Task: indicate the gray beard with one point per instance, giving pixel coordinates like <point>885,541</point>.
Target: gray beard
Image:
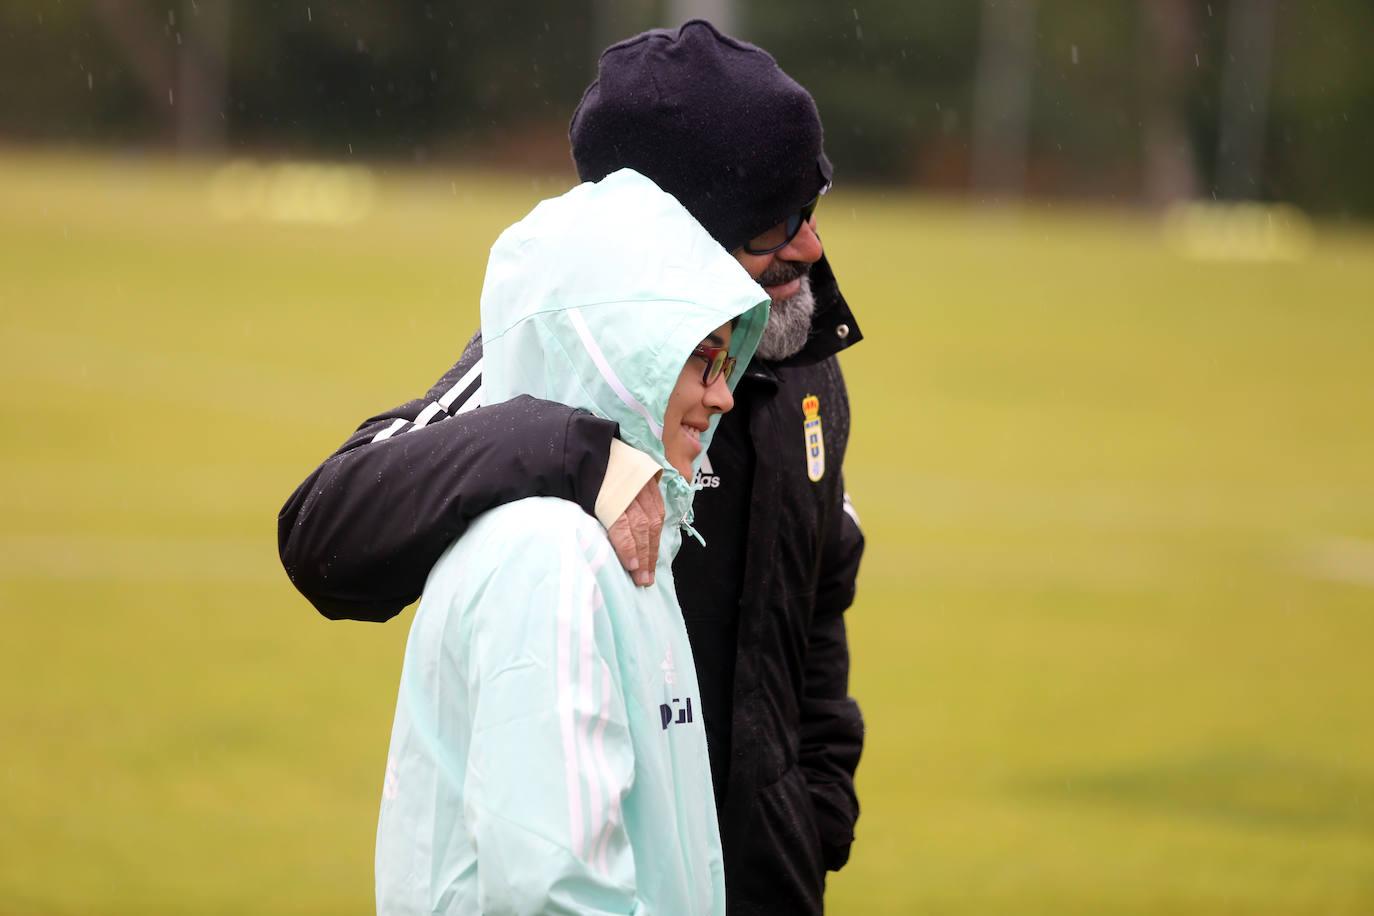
<point>789,324</point>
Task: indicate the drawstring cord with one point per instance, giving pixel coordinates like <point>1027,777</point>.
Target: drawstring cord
<point>685,523</point>
<point>687,527</point>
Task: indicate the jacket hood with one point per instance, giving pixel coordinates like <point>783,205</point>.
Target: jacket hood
<point>597,298</point>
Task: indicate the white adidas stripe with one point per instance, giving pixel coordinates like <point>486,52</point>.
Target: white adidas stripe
<point>849,509</point>
<point>444,402</point>
<point>567,703</point>
<point>607,373</point>
<point>587,669</point>
<point>427,414</point>
<point>471,403</point>
<point>449,396</point>
<point>390,430</point>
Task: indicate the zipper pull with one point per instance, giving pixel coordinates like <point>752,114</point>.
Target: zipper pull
<point>686,525</point>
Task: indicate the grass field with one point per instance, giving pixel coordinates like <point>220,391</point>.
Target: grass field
<point>1114,627</point>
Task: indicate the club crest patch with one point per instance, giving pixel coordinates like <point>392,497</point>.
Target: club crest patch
<point>815,441</point>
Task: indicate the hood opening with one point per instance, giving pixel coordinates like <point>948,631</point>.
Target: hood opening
<point>597,298</point>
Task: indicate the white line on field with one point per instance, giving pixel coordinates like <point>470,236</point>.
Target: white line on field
<point>1340,559</point>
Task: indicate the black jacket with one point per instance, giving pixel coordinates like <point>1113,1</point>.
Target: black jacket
<point>764,601</point>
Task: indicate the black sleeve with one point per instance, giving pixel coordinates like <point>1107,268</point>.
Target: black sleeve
<point>832,728</point>
<point>359,536</point>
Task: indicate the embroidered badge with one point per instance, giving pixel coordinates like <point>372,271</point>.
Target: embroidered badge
<point>815,442</point>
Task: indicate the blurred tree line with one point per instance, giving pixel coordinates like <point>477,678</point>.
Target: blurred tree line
<point>1146,101</point>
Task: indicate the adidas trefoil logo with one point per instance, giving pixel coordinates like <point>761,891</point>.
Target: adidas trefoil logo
<point>706,478</point>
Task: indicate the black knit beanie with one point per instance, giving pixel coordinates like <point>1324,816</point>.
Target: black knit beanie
<point>711,120</point>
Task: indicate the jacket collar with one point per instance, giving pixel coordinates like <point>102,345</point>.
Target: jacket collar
<point>833,327</point>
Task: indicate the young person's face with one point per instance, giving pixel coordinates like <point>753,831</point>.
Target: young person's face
<point>692,404</point>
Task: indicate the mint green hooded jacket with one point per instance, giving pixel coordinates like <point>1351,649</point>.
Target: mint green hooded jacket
<point>548,754</point>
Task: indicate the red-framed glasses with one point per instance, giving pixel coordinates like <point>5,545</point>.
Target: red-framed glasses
<point>718,362</point>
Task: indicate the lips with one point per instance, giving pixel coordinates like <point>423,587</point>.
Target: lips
<point>783,290</point>
<point>693,433</point>
<point>782,280</point>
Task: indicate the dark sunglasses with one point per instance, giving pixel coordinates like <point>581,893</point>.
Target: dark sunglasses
<point>784,232</point>
<point>718,362</point>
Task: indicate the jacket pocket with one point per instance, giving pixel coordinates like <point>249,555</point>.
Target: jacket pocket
<point>781,870</point>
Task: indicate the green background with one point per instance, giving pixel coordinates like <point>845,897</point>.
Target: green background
<point>896,83</point>
<point>1114,623</point>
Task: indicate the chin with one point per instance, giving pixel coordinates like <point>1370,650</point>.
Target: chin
<point>681,465</point>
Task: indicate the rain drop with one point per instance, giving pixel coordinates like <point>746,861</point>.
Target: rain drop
<point>1073,54</point>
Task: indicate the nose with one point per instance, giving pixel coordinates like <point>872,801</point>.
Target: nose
<point>805,245</point>
<point>717,396</point>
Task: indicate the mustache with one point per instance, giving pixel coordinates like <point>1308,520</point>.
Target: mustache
<point>780,272</point>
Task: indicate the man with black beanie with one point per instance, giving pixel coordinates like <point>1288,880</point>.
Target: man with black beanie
<point>716,123</point>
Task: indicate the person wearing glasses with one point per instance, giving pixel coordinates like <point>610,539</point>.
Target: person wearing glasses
<point>714,122</point>
<point>548,753</point>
